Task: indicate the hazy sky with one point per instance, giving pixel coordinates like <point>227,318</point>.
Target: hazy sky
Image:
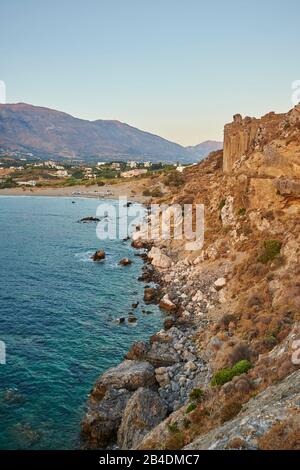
<point>178,68</point>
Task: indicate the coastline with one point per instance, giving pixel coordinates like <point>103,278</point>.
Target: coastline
<point>131,190</point>
<point>148,375</point>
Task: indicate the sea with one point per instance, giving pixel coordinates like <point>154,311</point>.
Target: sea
<point>59,314</point>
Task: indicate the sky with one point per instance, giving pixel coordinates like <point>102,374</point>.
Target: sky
<point>176,68</point>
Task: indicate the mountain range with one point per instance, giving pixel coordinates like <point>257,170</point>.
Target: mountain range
<point>49,133</point>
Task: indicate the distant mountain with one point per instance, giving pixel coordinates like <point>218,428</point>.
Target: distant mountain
<point>46,132</point>
<point>202,150</point>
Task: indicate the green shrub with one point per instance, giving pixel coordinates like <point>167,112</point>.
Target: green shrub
<point>221,377</point>
<point>196,394</point>
<point>271,251</point>
<point>241,367</point>
<point>226,375</point>
<point>8,183</point>
<point>222,204</point>
<point>242,211</point>
<point>191,407</point>
<point>173,428</point>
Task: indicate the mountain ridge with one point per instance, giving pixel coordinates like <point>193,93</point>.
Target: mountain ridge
<point>48,132</point>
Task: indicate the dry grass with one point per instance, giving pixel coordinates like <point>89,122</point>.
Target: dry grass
<point>284,435</point>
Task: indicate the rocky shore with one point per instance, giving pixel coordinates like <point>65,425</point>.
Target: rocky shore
<point>156,377</point>
<point>223,372</point>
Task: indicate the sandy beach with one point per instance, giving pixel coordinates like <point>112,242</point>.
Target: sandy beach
<point>132,190</point>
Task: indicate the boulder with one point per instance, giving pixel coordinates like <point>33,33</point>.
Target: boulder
<point>102,420</point>
<point>158,259</point>
<point>167,304</point>
<point>143,411</point>
<point>129,374</point>
<point>98,255</point>
<point>220,283</point>
<point>227,212</point>
<point>89,219</point>
<point>125,262</point>
<point>288,187</point>
<point>162,354</point>
<point>137,351</point>
<point>151,294</point>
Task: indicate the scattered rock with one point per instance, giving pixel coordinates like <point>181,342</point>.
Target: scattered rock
<point>98,255</point>
<point>151,294</point>
<point>220,283</point>
<point>125,262</point>
<point>132,319</point>
<point>166,304</point>
<point>89,219</point>
<point>158,259</point>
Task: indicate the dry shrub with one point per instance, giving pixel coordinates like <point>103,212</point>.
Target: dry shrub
<point>236,443</point>
<point>174,441</point>
<point>230,410</point>
<point>240,351</point>
<point>284,435</point>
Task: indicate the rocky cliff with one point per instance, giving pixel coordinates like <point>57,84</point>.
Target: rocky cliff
<point>223,373</point>
<point>269,137</point>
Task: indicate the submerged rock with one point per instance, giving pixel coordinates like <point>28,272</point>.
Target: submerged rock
<point>151,294</point>
<point>89,219</point>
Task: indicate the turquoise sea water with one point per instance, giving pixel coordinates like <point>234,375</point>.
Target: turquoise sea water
<point>56,317</point>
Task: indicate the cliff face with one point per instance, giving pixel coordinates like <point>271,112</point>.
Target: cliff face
<point>219,369</point>
<point>264,136</point>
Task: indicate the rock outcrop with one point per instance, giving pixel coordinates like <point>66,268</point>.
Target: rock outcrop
<point>223,373</point>
<point>143,411</point>
<point>98,255</point>
<point>258,417</point>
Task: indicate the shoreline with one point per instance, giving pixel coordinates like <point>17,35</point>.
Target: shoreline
<point>132,190</point>
<point>146,369</point>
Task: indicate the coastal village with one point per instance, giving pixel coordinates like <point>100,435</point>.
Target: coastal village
<point>24,170</point>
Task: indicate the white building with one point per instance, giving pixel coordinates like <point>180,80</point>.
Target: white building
<point>115,166</point>
<point>26,183</point>
<point>62,173</point>
<point>180,168</point>
<point>132,164</point>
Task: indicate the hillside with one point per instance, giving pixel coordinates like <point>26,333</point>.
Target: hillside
<point>46,132</point>
<point>224,372</point>
<point>202,150</point>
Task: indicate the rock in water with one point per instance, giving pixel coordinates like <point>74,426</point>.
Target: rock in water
<point>89,219</point>
<point>144,410</point>
<point>125,262</point>
<point>150,294</point>
<point>98,255</point>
